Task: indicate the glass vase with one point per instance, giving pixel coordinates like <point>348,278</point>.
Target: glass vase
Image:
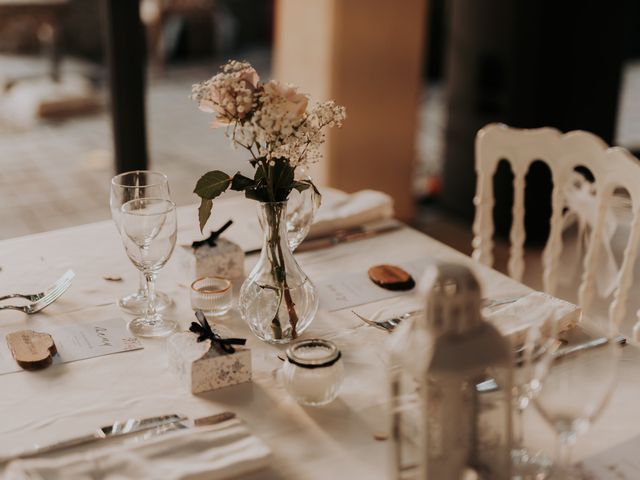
<point>277,299</point>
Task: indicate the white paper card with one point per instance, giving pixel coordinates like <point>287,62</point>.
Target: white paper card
<point>77,342</point>
<point>351,290</point>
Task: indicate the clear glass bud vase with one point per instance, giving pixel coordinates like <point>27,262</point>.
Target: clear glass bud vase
<point>277,299</point>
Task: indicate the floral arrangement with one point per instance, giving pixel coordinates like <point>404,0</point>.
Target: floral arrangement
<point>276,125</point>
<point>273,122</point>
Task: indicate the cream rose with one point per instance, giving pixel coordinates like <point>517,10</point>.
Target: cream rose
<point>230,94</point>
<point>291,103</point>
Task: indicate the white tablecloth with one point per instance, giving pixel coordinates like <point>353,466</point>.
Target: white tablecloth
<point>336,441</point>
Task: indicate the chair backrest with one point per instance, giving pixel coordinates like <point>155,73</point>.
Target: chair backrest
<point>612,168</point>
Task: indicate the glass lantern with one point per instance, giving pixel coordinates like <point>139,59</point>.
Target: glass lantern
<point>451,374</point>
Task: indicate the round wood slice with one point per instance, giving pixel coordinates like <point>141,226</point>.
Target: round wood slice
<point>31,350</point>
<point>391,277</point>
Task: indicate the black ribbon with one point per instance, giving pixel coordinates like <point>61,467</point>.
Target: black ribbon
<point>204,332</point>
<point>211,241</point>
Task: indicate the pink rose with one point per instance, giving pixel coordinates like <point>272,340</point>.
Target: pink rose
<point>250,76</point>
<point>230,94</point>
<point>292,103</point>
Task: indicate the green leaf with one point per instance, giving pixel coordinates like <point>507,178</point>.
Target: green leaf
<point>239,182</point>
<point>317,196</point>
<point>282,178</point>
<point>204,211</point>
<point>212,184</point>
<point>260,174</point>
<point>300,186</point>
<point>260,194</point>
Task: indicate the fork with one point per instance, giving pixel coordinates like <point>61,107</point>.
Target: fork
<point>32,297</point>
<point>43,299</point>
<point>389,324</point>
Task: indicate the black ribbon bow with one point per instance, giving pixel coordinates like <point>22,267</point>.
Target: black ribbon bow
<point>204,332</point>
<point>211,241</point>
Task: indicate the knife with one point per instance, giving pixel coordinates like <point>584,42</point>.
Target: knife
<point>117,429</point>
<point>344,235</point>
<point>351,234</point>
<point>490,385</point>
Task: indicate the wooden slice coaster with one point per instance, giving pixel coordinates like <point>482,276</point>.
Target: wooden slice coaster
<point>391,277</point>
<point>31,350</point>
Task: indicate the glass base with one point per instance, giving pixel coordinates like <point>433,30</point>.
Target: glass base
<point>152,327</point>
<point>526,465</point>
<point>136,303</point>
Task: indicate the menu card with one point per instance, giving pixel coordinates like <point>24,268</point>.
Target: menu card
<point>77,342</point>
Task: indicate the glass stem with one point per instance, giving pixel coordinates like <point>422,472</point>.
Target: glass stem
<point>566,441</point>
<point>518,428</point>
<point>151,313</point>
<point>142,285</point>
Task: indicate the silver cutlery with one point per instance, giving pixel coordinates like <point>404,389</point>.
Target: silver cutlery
<point>117,429</point>
<point>490,385</point>
<point>389,324</point>
<point>32,297</point>
<point>147,428</point>
<point>43,299</point>
<point>345,235</point>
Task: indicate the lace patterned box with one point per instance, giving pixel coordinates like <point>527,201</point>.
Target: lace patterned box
<point>200,368</point>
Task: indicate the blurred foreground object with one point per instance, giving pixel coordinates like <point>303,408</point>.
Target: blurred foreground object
<point>442,424</point>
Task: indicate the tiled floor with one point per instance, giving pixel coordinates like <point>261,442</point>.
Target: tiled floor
<point>57,174</point>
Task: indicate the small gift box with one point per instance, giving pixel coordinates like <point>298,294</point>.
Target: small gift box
<point>205,361</point>
<point>212,257</point>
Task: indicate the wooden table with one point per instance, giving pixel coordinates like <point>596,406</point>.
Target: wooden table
<point>336,441</point>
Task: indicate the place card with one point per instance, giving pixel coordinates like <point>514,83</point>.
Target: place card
<point>350,290</point>
<point>77,342</point>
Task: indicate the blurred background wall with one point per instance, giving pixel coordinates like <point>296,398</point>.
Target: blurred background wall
<point>419,77</point>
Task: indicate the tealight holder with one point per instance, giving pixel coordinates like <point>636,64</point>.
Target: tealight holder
<point>313,372</point>
<point>212,295</point>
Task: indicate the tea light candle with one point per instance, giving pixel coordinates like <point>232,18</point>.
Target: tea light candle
<point>211,295</point>
<point>313,371</point>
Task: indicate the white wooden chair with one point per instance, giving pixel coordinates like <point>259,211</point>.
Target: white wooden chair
<point>612,168</point>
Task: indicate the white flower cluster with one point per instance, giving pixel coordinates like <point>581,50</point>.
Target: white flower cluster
<point>270,120</point>
<point>302,145</point>
<point>230,94</point>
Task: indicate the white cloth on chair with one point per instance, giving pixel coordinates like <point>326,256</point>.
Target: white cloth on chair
<point>582,211</point>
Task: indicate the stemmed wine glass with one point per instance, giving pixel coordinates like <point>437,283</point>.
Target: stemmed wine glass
<point>576,390</point>
<point>537,343</point>
<point>148,231</point>
<point>129,186</point>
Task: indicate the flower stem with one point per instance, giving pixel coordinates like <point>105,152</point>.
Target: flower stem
<point>291,306</point>
<point>279,273</point>
<point>273,240</point>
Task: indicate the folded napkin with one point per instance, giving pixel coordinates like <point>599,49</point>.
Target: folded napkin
<point>340,210</point>
<point>222,451</point>
<point>536,308</point>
